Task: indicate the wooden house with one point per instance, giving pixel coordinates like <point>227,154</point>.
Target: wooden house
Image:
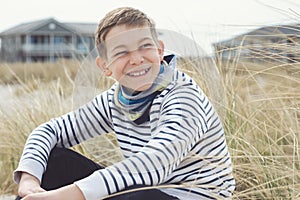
<point>271,43</point>
<point>46,40</point>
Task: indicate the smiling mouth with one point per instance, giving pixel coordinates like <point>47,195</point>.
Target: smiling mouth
<point>138,73</point>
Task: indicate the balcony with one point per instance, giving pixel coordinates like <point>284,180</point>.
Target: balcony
<point>48,48</point>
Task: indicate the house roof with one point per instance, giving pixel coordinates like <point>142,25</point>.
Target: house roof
<point>24,27</point>
<point>80,28</point>
<point>83,28</point>
<point>276,30</point>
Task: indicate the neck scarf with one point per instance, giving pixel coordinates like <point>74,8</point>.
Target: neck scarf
<point>134,105</point>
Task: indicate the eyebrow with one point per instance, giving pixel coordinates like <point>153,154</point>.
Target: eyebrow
<point>124,46</point>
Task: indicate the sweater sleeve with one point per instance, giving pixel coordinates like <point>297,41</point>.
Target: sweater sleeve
<point>180,124</point>
<point>88,121</point>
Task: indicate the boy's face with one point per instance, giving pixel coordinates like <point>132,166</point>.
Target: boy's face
<point>133,57</point>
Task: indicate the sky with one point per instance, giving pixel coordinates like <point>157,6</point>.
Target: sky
<point>206,21</point>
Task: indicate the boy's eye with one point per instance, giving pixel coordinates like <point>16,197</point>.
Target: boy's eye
<point>120,53</point>
<point>146,46</point>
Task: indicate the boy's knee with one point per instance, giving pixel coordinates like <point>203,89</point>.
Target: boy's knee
<point>60,154</point>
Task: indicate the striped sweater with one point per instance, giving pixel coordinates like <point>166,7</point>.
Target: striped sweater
<point>181,144</point>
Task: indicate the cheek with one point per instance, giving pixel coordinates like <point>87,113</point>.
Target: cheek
<point>118,65</point>
<point>117,73</point>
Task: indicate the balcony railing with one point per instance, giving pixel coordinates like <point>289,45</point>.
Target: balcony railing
<point>46,48</point>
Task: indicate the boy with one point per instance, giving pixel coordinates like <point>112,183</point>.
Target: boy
<point>167,129</point>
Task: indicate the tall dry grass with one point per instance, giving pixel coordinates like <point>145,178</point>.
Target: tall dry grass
<point>263,119</point>
<point>39,91</point>
<point>259,104</point>
<point>263,123</point>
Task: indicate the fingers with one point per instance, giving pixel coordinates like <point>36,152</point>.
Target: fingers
<point>36,196</point>
<point>26,191</point>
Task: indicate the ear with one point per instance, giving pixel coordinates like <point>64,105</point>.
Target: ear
<point>101,63</point>
<point>161,49</point>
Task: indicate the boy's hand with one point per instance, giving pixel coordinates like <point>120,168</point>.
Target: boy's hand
<point>28,185</point>
<point>66,192</point>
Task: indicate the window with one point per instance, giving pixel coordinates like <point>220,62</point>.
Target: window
<point>37,39</point>
<point>23,39</point>
<point>58,40</point>
<point>83,44</point>
<point>62,39</point>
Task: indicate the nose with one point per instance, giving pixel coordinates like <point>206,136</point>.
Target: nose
<point>136,58</point>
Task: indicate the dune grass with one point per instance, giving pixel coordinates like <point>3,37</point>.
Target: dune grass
<point>259,104</point>
<point>262,123</point>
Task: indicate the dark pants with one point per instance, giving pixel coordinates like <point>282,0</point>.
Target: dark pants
<point>66,166</point>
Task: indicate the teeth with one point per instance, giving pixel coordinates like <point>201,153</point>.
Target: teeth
<point>140,73</point>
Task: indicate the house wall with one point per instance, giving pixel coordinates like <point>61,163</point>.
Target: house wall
<point>10,48</point>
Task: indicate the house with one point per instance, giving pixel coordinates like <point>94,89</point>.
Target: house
<point>46,40</point>
<point>271,43</point>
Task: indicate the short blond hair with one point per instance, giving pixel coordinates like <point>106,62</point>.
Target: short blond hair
<point>121,16</point>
